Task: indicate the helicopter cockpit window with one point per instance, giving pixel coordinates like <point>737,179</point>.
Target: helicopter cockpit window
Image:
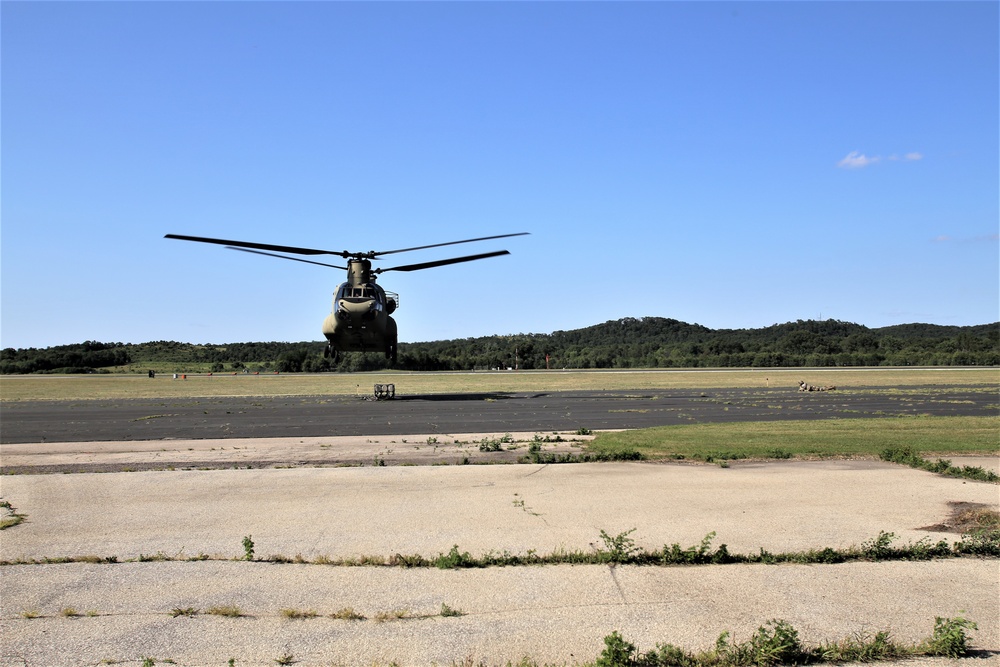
<point>355,292</point>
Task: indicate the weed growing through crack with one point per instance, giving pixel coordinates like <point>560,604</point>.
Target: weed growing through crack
<point>777,643</point>
<point>394,615</point>
<point>12,518</point>
<point>230,611</point>
<point>454,559</point>
<point>347,614</point>
<point>906,456</point>
<point>449,612</point>
<point>950,638</point>
<point>619,548</point>
<point>862,647</point>
<point>880,547</point>
<point>183,611</point>
<point>982,540</point>
<point>299,614</point>
<point>248,546</point>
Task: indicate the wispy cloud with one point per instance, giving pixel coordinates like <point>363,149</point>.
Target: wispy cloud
<point>985,238</point>
<point>858,160</point>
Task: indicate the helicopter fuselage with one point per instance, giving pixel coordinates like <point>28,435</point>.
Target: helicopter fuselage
<point>360,318</point>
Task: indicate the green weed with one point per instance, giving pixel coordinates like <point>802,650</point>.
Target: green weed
<point>879,548</point>
<point>619,548</point>
<point>950,638</point>
<point>448,612</point>
<point>906,456</point>
<point>454,559</point>
<point>777,643</point>
<point>863,647</point>
<point>617,652</point>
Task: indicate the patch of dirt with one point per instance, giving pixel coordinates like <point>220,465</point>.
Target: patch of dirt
<point>966,518</point>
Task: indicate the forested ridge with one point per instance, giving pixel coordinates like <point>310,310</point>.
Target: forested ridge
<point>648,342</point>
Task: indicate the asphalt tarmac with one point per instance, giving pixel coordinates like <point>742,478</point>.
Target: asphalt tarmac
<point>315,416</point>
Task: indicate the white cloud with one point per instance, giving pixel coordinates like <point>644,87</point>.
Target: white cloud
<point>856,160</point>
<point>985,238</point>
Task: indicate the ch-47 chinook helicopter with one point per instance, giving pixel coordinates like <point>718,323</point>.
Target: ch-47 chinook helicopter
<point>360,320</point>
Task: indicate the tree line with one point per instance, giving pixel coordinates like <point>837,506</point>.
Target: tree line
<point>648,342</point>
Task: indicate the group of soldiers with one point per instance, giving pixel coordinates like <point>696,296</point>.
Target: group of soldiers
<point>803,386</point>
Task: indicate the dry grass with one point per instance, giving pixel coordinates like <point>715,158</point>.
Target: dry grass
<point>393,615</point>
<point>347,614</point>
<point>230,611</point>
<point>976,518</point>
<point>94,387</point>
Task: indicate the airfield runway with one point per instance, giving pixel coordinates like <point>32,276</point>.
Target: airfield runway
<point>84,613</point>
<point>315,416</point>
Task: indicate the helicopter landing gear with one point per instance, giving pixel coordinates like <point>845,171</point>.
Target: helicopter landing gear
<point>331,353</point>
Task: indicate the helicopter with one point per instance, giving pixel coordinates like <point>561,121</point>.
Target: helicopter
<point>360,320</point>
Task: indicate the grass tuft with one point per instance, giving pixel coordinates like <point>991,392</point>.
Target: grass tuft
<point>347,614</point>
<point>231,611</point>
<point>183,611</point>
<point>10,516</point>
<point>449,612</point>
<point>393,615</point>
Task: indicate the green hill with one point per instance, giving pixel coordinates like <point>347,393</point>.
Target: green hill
<point>647,342</point>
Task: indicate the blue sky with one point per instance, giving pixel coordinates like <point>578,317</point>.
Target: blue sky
<point>733,165</point>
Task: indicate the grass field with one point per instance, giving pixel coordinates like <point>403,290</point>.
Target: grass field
<point>83,387</point>
<point>807,439</point>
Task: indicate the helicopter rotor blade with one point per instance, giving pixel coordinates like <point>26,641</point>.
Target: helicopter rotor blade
<point>260,246</point>
<point>294,259</point>
<point>442,262</point>
<point>438,245</point>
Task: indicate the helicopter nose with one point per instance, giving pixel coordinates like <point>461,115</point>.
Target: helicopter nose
<point>348,310</point>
